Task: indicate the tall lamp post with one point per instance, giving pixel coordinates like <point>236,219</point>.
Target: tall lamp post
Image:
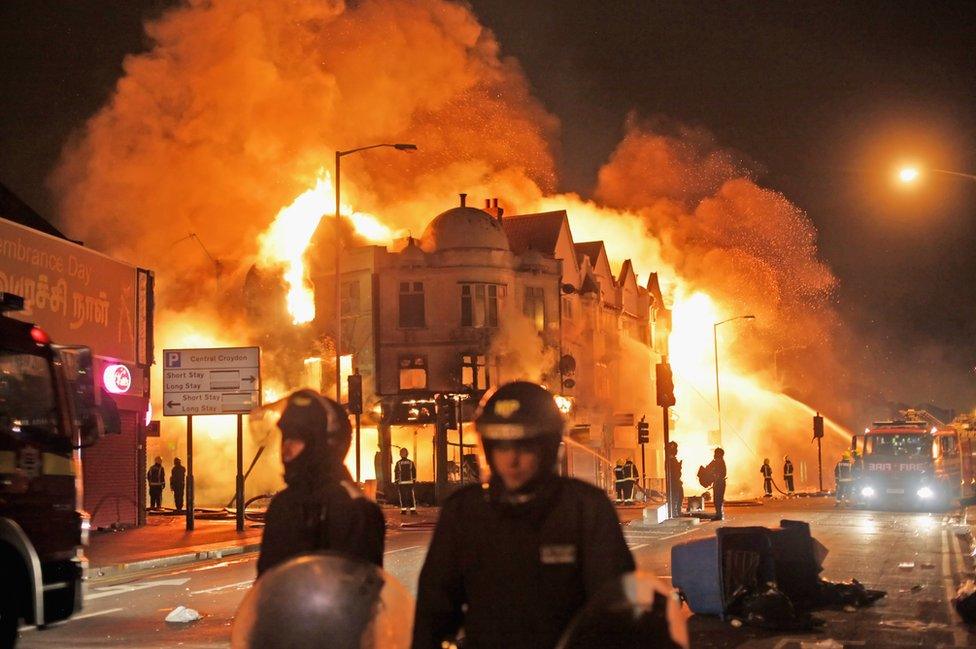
<point>718,394</point>
<point>338,254</point>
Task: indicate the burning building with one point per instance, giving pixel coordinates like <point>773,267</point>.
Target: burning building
<point>480,299</point>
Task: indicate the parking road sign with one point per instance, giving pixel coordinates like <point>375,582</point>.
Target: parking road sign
<point>216,381</point>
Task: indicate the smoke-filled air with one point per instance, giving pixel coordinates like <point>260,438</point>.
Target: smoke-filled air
<point>211,164</point>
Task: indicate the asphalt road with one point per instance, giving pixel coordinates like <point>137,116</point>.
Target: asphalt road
<point>866,545</point>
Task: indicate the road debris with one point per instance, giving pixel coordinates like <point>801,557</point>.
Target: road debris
<point>183,615</point>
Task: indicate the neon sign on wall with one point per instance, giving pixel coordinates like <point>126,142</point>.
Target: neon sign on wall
<point>117,379</point>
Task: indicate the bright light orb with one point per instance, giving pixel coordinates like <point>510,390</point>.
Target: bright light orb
<point>908,174</point>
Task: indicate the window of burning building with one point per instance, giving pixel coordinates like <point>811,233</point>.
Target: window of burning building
<point>479,304</point>
<point>412,315</point>
<point>478,372</point>
<point>413,372</point>
<point>534,306</point>
<point>567,308</point>
<point>350,297</point>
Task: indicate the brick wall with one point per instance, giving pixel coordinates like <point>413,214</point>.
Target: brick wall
<point>111,475</point>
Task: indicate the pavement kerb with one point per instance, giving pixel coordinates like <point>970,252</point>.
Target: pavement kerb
<point>116,569</point>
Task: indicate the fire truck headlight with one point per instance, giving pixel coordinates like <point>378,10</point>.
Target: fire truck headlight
<point>867,492</point>
<point>925,493</point>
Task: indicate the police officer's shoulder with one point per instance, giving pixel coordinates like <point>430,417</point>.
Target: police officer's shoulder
<point>464,497</point>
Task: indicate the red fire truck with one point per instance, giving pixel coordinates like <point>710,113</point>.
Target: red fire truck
<point>48,410</point>
<point>915,462</point>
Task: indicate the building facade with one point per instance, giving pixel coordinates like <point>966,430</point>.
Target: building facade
<point>480,299</point>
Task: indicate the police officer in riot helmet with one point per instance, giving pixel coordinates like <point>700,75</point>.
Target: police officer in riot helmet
<point>512,562</point>
<point>321,508</point>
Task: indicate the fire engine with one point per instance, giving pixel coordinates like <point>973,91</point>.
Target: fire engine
<point>915,462</point>
<point>48,410</point>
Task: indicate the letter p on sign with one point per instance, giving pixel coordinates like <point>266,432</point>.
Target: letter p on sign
<point>172,359</point>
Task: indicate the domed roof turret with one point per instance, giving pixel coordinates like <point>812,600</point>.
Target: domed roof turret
<point>412,255</point>
<point>464,227</point>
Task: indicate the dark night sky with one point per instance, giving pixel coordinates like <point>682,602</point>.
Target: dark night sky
<point>823,96</point>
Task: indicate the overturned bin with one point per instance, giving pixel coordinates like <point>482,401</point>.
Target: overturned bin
<point>711,573</point>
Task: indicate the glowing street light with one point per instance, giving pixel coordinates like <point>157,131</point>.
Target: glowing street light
<point>908,174</point>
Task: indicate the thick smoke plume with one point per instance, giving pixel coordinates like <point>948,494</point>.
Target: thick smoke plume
<point>238,104</point>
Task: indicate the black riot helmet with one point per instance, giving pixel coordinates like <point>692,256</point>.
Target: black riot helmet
<point>526,414</point>
<point>323,425</point>
<point>519,411</point>
<point>324,600</point>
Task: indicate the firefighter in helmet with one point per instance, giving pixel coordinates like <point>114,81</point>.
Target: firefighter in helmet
<point>512,562</point>
<point>788,474</point>
<point>619,480</point>
<point>844,477</point>
<point>767,473</point>
<point>321,508</point>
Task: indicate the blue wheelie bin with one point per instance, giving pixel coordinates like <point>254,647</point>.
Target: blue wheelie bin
<point>710,571</point>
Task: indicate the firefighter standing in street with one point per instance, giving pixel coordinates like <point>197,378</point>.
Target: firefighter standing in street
<point>321,508</point>
<point>156,477</point>
<point>630,481</point>
<point>844,477</point>
<point>718,472</point>
<point>619,481</point>
<point>788,474</point>
<point>177,482</point>
<point>513,562</point>
<point>405,474</point>
<point>767,474</point>
<point>676,491</point>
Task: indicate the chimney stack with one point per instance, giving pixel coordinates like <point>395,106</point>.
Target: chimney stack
<point>487,204</point>
<point>464,198</point>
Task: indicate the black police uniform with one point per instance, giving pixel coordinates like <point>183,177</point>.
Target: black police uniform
<point>321,509</point>
<point>522,570</point>
<point>336,518</point>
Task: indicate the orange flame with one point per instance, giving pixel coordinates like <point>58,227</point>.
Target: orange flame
<point>286,241</point>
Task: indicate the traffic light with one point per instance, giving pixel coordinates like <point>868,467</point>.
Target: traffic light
<point>818,430</point>
<point>643,432</point>
<point>355,392</point>
<point>447,409</point>
<point>665,385</point>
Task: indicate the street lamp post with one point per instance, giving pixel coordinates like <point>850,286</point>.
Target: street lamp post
<point>718,394</point>
<point>338,254</point>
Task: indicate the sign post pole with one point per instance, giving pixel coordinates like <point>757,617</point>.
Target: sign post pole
<point>667,469</point>
<point>189,473</point>
<point>240,473</point>
<point>212,381</point>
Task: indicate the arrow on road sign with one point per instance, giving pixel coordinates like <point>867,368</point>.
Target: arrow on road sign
<point>172,404</point>
<point>249,379</point>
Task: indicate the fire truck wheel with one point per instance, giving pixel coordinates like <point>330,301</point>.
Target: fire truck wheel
<point>10,596</point>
